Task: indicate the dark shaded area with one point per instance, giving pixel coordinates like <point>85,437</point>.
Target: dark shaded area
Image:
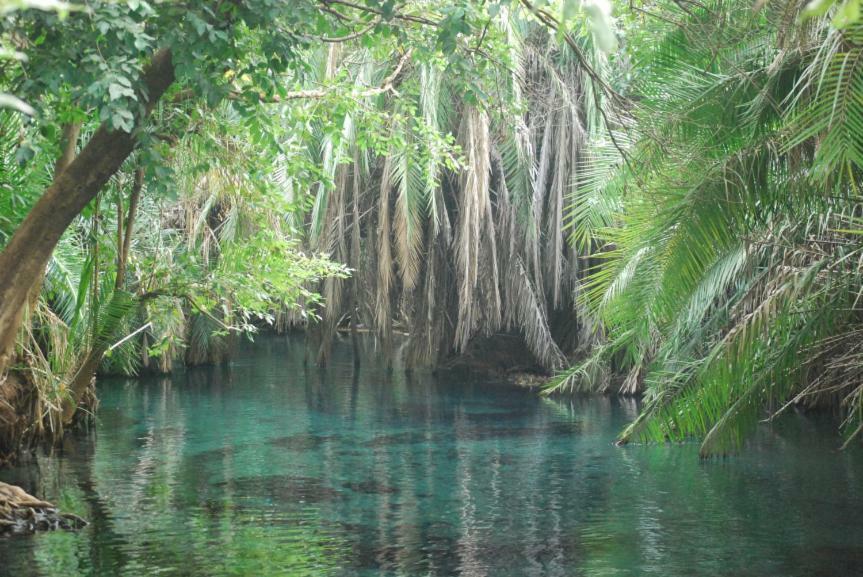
<point>500,355</point>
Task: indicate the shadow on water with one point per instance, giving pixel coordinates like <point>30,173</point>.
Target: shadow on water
<point>274,467</point>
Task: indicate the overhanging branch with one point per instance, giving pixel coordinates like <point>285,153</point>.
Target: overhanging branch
<point>388,86</point>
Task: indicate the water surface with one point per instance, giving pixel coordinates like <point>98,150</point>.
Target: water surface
<point>269,467</point>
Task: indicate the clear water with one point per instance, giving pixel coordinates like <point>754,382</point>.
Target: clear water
<point>272,468</point>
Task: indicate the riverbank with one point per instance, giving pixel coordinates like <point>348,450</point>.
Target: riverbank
<point>22,513</point>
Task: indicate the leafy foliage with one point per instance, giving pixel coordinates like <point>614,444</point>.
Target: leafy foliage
<point>450,189</point>
<point>728,246</point>
<point>196,224</point>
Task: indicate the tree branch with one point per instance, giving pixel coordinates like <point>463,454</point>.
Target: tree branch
<point>69,145</point>
<point>388,86</point>
<point>346,37</point>
<point>123,256</point>
<point>24,258</point>
<point>379,12</point>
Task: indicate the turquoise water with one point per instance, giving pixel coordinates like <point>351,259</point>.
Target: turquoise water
<point>271,468</point>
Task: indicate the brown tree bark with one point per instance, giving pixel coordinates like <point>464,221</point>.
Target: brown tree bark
<point>69,146</point>
<point>85,374</point>
<point>126,235</point>
<point>28,251</point>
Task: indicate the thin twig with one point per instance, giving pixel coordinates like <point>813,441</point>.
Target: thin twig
<point>395,15</point>
<point>319,93</point>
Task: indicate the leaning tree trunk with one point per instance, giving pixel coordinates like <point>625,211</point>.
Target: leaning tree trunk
<point>124,243</point>
<point>86,372</point>
<point>28,252</point>
<point>68,148</point>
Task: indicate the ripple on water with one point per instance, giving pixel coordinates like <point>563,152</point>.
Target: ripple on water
<point>282,490</point>
<point>301,441</point>
<point>370,487</point>
<point>266,469</point>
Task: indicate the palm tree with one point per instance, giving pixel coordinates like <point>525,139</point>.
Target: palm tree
<point>728,227</point>
<point>452,220</point>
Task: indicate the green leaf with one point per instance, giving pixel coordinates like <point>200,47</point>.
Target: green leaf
<point>117,91</point>
<point>816,8</point>
<point>199,25</point>
<point>123,119</point>
<point>847,14</point>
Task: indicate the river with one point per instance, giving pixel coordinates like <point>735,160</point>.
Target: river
<point>270,467</point>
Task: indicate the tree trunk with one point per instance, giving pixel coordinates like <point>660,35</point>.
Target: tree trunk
<point>123,249</point>
<point>68,146</point>
<point>30,248</point>
<point>355,258</point>
<point>81,382</point>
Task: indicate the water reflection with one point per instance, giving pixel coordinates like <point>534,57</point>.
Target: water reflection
<point>275,467</point>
